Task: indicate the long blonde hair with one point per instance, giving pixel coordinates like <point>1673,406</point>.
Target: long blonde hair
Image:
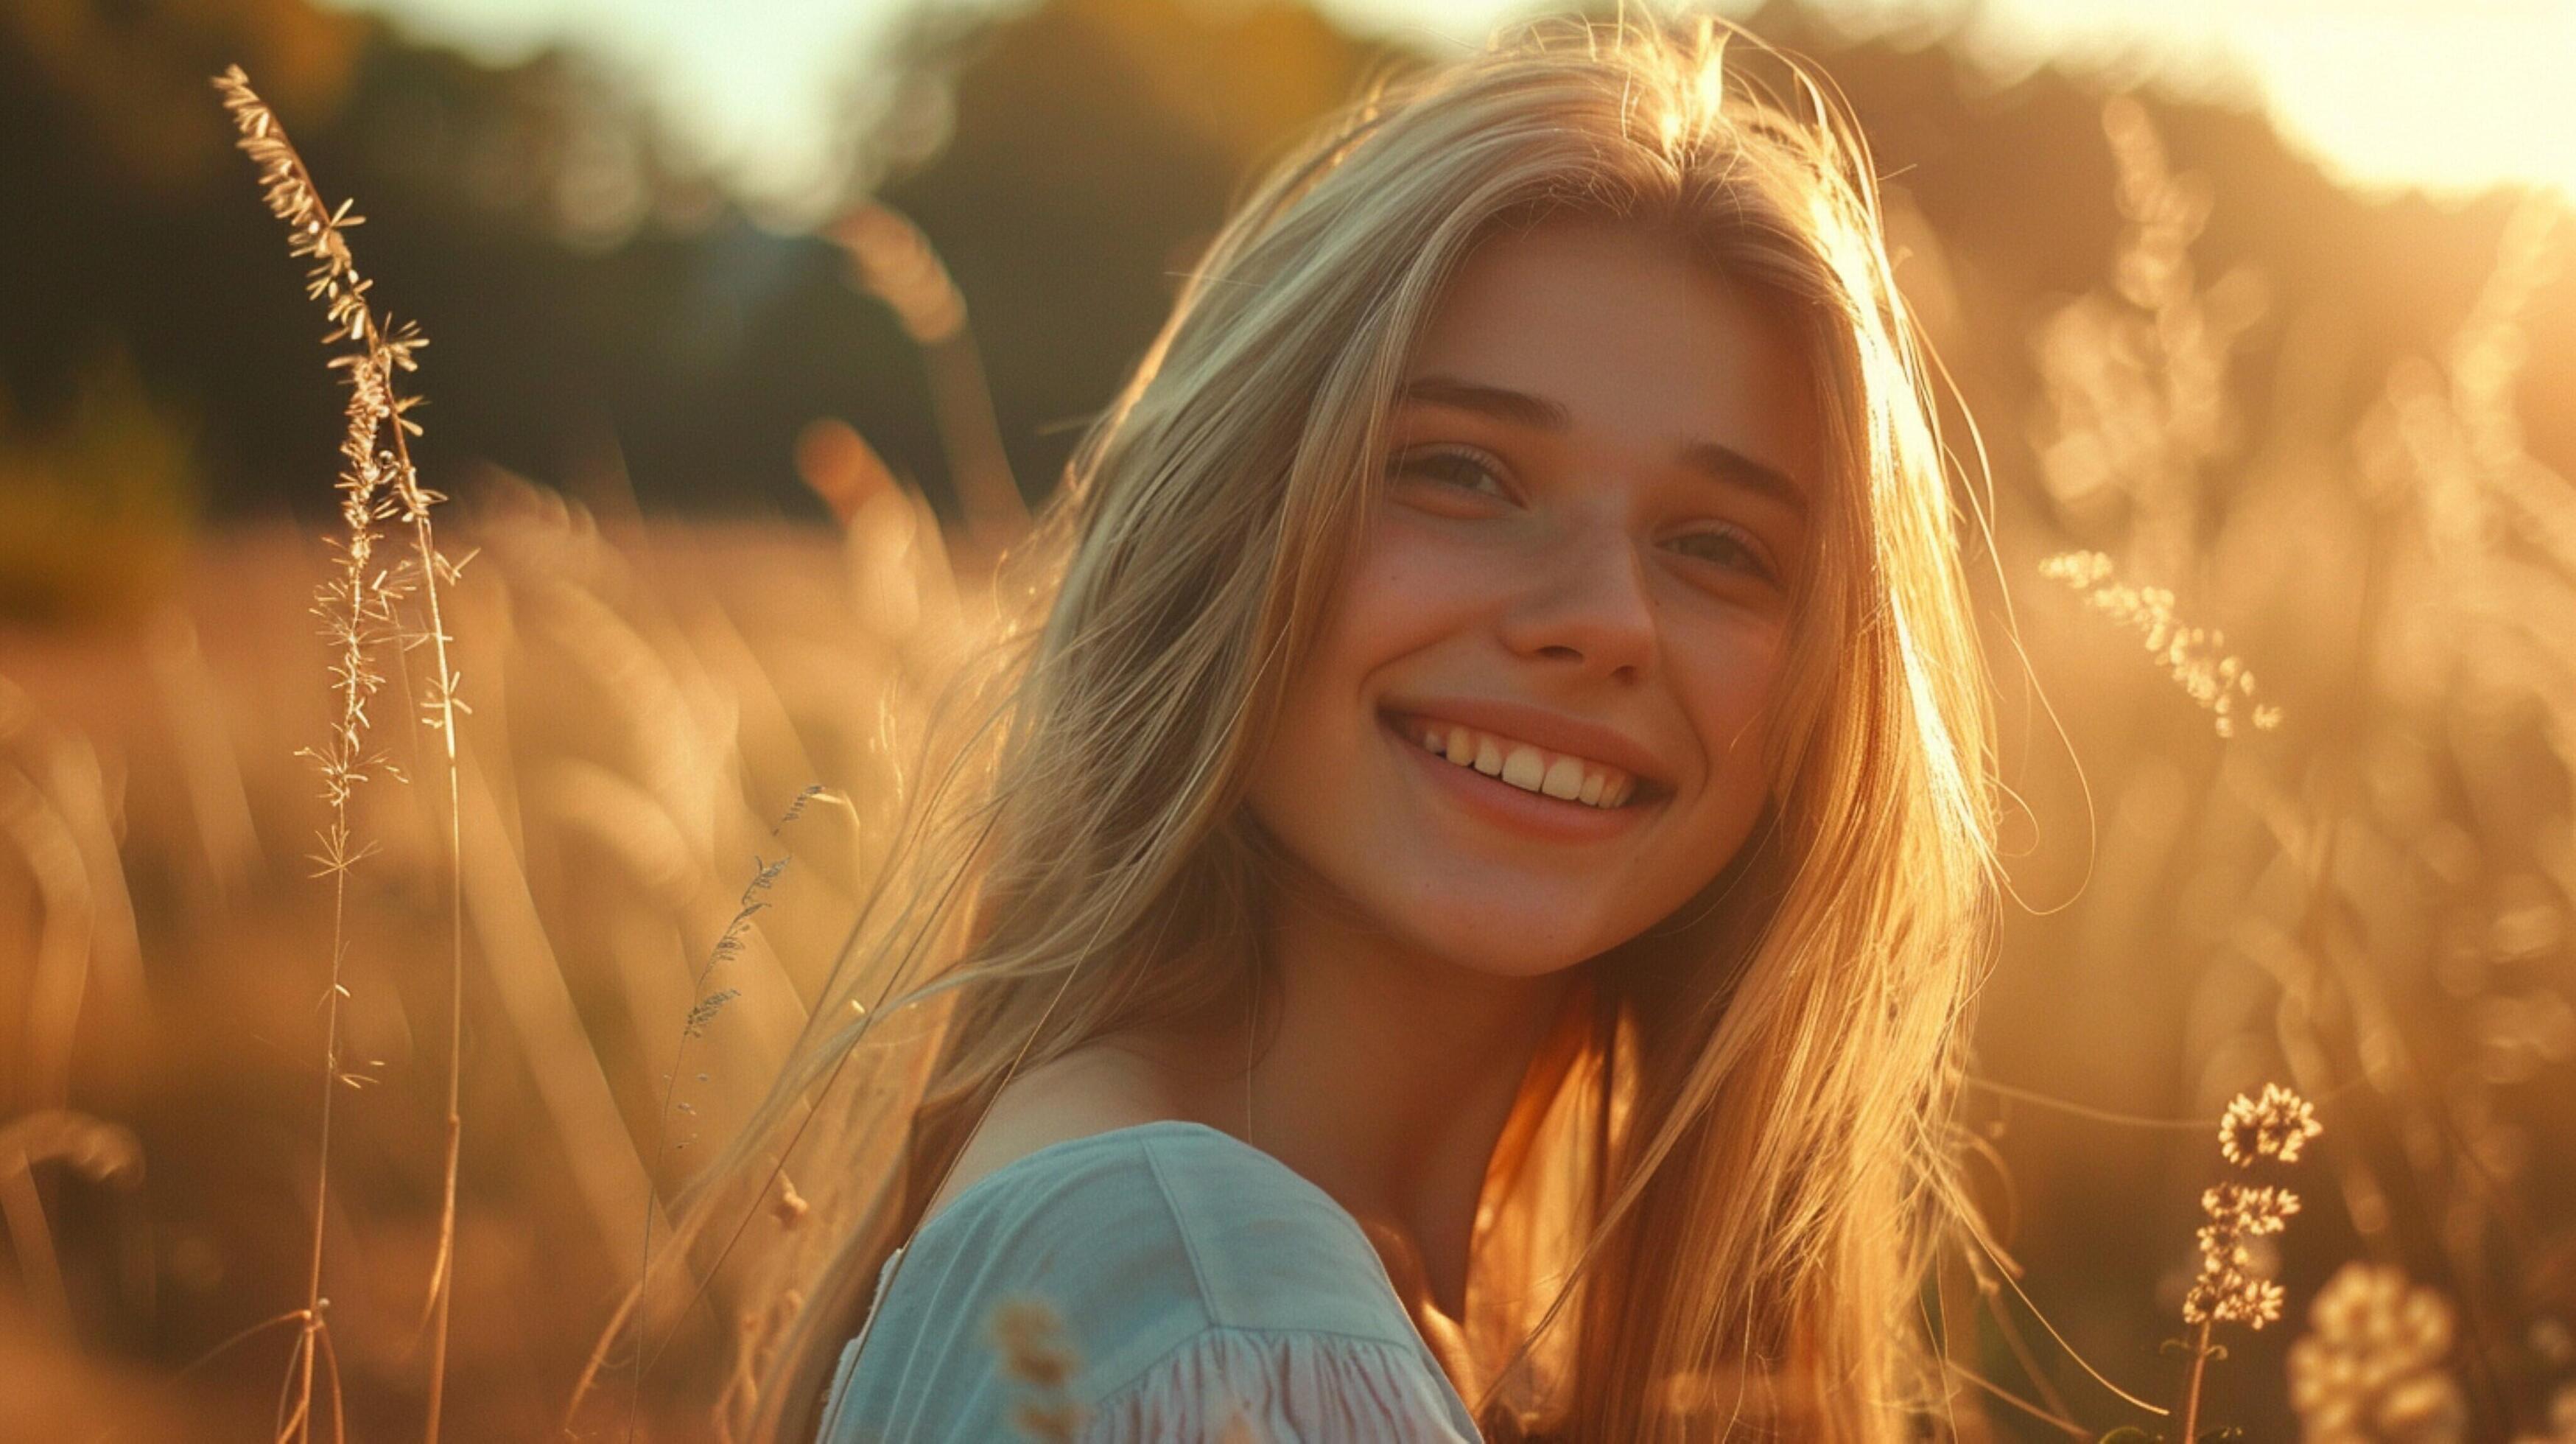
<point>1718,1197</point>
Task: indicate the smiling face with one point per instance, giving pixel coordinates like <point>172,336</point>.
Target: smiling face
<point>1577,587</point>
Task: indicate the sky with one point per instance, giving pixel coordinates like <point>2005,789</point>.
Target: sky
<point>2444,95</point>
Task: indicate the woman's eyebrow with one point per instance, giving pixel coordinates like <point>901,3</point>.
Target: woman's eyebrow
<point>1722,464</point>
<point>1730,467</point>
<point>1496,401</point>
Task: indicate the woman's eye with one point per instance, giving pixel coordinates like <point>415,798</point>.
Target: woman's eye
<point>1461,469</point>
<point>1728,548</point>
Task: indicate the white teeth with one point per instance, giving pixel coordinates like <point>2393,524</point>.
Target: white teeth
<point>1526,767</point>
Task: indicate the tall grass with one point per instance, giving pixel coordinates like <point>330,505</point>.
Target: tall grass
<point>706,1004</point>
<point>359,608</point>
<point>2435,639</point>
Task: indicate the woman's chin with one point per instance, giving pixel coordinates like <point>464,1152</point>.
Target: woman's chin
<point>1505,942</point>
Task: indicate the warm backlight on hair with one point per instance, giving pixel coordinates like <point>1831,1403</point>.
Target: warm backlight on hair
<point>1691,83</point>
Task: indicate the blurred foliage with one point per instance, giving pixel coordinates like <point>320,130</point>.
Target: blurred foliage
<point>592,297</point>
<point>98,509</point>
<point>121,78</point>
<point>1095,146</point>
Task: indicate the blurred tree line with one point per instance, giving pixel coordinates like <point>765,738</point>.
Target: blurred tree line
<point>596,309</point>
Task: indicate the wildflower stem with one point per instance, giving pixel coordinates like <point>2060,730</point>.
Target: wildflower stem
<point>2200,1352</point>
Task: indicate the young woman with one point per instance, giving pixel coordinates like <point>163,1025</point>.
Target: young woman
<point>1461,920</point>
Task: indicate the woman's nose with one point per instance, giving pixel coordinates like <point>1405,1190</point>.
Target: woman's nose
<point>1584,600</point>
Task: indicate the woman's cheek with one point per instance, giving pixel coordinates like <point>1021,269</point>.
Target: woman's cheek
<point>1732,688</point>
<point>1410,583</point>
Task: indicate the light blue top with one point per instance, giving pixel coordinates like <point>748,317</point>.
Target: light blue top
<point>1197,1280</point>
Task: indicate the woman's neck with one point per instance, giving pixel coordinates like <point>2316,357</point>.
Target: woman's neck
<point>1387,1077</point>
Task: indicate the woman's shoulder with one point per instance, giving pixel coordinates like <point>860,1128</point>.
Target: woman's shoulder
<point>1170,1217</point>
<point>1093,1091</point>
<point>1093,1161</point>
<point>1166,1255</point>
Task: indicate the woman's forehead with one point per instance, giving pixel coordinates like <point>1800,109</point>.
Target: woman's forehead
<point>1623,334</point>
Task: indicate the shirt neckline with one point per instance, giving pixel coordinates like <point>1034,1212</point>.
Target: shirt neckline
<point>1121,1133</point>
<point>893,1261</point>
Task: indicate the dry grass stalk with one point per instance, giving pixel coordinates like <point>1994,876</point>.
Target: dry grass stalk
<point>62,818</point>
<point>100,1152</point>
<point>703,1011</point>
<point>893,261</point>
<point>359,610</point>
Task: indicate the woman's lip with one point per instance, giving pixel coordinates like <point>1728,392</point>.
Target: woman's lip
<point>1529,813</point>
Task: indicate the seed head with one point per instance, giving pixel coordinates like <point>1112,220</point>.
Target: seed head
<point>2371,1366</point>
<point>2195,657</point>
<point>2276,1125</point>
<point>2233,1286</point>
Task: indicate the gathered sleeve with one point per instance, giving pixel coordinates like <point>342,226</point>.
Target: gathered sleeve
<point>1239,1386</point>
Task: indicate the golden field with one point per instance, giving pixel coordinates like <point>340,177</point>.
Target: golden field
<point>2285,641</point>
